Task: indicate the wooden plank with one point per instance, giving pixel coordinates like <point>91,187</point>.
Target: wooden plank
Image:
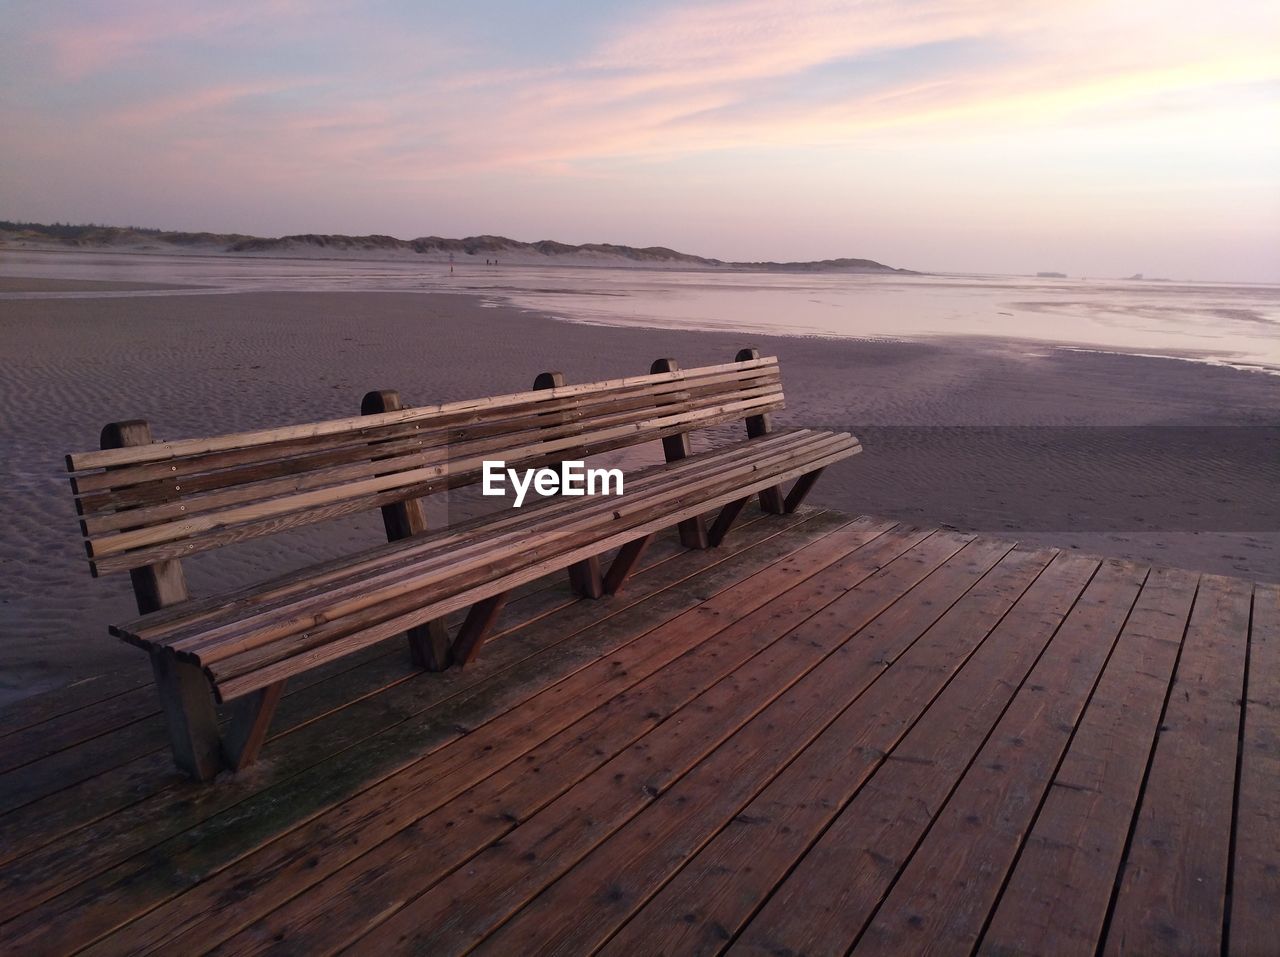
<point>167,451</point>
<point>34,742</point>
<point>69,763</point>
<point>519,546</point>
<point>445,554</point>
<point>1057,896</point>
<point>693,531</point>
<point>327,736</point>
<point>718,791</point>
<point>98,493</point>
<point>945,892</point>
<point>771,499</point>
<point>208,481</point>
<point>62,703</point>
<point>1255,876</point>
<point>428,643</point>
<point>1171,897</point>
<point>172,858</point>
<point>779,684</point>
<point>188,497</point>
<point>826,901</point>
<point>164,451</point>
<point>365,489</point>
<point>289,656</point>
<point>128,549</point>
<point>713,639</point>
<point>723,884</point>
<point>320,577</point>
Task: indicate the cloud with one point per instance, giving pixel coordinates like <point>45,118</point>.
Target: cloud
<point>89,40</point>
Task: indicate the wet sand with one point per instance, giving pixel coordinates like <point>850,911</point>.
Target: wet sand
<point>1163,461</point>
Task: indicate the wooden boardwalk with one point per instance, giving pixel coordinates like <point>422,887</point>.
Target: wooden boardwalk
<point>830,735</point>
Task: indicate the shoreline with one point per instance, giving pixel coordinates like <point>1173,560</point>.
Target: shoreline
<point>1173,463</point>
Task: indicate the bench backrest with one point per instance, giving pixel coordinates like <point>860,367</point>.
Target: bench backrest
<point>144,504</point>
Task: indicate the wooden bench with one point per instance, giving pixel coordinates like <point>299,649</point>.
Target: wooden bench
<point>146,505</point>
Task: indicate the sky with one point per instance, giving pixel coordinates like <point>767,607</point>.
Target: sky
<point>1004,136</point>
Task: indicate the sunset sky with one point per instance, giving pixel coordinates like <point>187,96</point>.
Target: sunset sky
<point>967,135</point>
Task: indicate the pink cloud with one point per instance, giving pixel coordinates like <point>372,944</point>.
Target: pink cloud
<point>121,30</point>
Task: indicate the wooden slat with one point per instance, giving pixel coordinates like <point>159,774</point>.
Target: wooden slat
<point>101,546</point>
<point>457,477</point>
<point>667,834</point>
<point>122,761</point>
<point>766,664</point>
<point>1056,899</point>
<point>1172,895</point>
<point>1255,876</point>
<point>946,890</point>
<point>164,451</point>
<point>212,531</point>
<point>236,867</point>
<point>403,740</point>
<point>363,461</point>
<point>450,558</point>
<point>160,482</point>
<point>668,628</point>
<point>450,553</point>
<point>713,896</point>
<point>775,704</point>
<point>824,904</point>
<point>158,626</point>
<point>311,651</point>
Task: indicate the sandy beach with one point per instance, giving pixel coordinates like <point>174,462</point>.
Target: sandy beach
<point>1164,461</point>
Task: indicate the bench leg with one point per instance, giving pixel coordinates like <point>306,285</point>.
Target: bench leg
<point>771,501</point>
<point>250,720</point>
<point>693,531</point>
<point>804,484</point>
<point>624,564</point>
<point>584,578</point>
<point>476,628</point>
<point>187,701</point>
<point>429,645</point>
<point>724,521</point>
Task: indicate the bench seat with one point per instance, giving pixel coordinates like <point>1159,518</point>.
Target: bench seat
<point>255,638</point>
<point>146,506</point>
